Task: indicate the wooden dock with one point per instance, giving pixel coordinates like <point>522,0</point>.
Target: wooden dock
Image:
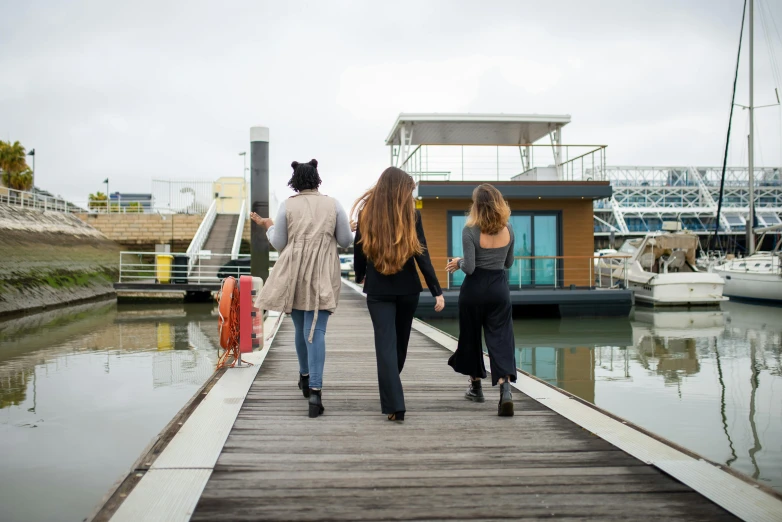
<point>450,460</point>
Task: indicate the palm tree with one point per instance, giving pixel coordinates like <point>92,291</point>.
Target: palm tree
<point>13,163</point>
<point>97,201</point>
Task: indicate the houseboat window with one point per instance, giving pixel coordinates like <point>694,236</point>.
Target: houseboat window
<point>546,240</point>
<point>521,271</point>
<point>456,250</point>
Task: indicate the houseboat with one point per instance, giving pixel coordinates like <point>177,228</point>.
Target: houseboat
<point>548,186</point>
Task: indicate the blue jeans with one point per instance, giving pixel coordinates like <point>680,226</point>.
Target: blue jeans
<point>312,356</point>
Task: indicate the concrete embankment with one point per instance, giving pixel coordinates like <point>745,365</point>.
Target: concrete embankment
<point>52,258</point>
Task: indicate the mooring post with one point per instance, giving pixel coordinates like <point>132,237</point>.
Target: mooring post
<point>259,195</point>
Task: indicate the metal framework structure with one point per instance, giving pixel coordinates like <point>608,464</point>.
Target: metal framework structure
<point>411,132</point>
<point>644,197</point>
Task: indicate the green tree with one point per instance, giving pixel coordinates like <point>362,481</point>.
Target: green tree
<point>97,201</point>
<point>13,163</point>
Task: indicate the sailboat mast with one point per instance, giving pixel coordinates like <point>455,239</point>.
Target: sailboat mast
<point>751,152</point>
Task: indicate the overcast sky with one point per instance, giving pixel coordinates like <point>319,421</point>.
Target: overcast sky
<point>144,90</point>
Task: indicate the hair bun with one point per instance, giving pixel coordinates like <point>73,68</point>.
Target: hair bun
<point>295,164</point>
<point>314,163</point>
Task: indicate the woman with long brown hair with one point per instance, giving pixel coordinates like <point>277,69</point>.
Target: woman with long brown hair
<point>389,243</point>
<point>484,299</point>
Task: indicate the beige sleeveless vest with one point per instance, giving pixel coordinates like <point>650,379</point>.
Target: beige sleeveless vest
<point>307,274</point>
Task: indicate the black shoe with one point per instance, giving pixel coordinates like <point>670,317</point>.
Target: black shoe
<point>304,384</point>
<point>475,391</point>
<point>316,406</point>
<point>505,407</point>
<point>398,416</point>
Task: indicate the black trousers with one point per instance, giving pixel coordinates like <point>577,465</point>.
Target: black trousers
<point>484,304</point>
<point>392,318</point>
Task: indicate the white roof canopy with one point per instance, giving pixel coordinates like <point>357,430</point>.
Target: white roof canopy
<point>474,129</point>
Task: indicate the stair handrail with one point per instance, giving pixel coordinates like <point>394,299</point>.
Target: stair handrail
<point>239,231</point>
<point>201,234</point>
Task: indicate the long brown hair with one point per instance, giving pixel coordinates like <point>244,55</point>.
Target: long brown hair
<point>386,220</point>
<point>489,211</point>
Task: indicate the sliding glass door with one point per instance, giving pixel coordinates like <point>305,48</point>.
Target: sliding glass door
<point>537,235</point>
<point>456,226</point>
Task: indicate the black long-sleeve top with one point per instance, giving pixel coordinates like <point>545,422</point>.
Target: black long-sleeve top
<point>404,282</point>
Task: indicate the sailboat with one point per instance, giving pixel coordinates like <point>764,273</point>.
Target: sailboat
<point>759,275</point>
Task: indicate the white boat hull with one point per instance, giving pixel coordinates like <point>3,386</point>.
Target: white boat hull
<point>686,289</point>
<point>752,285</point>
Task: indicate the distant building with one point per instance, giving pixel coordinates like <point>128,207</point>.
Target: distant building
<point>132,200</point>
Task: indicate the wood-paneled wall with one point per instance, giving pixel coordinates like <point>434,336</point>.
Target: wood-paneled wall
<point>577,231</point>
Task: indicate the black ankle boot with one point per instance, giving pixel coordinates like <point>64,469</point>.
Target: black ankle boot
<point>505,407</point>
<point>316,405</point>
<point>304,384</point>
<point>475,391</point>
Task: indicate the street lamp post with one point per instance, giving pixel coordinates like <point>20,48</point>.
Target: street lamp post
<point>244,156</point>
<point>32,155</point>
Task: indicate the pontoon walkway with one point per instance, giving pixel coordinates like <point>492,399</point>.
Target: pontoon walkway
<point>255,455</point>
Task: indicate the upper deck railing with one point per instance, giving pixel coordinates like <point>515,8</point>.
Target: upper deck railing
<point>535,162</point>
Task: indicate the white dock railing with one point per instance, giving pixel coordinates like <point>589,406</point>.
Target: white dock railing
<point>165,268</point>
<point>37,201</point>
<point>237,245</point>
<point>201,234</point>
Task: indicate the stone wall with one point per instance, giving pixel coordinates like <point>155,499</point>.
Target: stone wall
<point>141,232</point>
<point>52,258</point>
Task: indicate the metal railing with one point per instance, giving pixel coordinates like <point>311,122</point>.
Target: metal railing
<point>192,196</point>
<point>37,201</point>
<point>557,272</point>
<point>540,162</point>
<point>165,268</point>
<point>201,234</point>
<point>122,206</point>
<point>237,245</point>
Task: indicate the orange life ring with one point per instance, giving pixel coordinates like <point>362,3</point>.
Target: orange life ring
<point>225,311</point>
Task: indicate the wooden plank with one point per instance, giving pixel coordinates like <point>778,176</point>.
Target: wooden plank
<point>451,460</point>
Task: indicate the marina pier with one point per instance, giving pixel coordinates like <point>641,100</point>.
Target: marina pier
<point>247,451</point>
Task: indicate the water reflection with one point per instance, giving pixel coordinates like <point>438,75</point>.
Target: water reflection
<point>708,380</point>
<point>83,390</point>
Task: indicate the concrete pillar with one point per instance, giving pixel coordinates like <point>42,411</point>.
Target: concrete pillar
<point>259,196</point>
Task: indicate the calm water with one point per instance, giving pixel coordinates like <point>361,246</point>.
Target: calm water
<point>83,391</point>
<point>710,381</point>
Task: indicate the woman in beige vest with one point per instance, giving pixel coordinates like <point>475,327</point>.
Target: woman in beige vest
<point>305,282</point>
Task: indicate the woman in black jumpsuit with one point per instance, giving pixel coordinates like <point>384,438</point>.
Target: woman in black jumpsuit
<point>484,298</point>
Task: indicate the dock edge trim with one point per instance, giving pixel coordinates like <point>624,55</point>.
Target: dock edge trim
<point>171,488</point>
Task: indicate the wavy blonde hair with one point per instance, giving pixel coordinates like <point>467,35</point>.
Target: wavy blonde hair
<point>489,212</point>
<point>386,220</point>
